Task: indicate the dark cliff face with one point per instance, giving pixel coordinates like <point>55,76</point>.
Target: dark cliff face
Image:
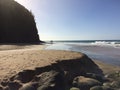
<point>17,24</point>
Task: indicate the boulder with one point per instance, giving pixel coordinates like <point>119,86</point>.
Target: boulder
<point>96,76</point>
<point>17,24</point>
<point>85,83</point>
<point>51,80</point>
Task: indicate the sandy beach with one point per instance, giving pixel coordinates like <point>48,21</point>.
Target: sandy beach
<point>14,59</point>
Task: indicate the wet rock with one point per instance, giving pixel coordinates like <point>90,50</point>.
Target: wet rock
<point>85,83</point>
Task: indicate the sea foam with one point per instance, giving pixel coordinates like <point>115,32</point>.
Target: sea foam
<point>106,43</point>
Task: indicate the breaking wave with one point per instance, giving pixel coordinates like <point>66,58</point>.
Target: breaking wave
<point>107,43</point>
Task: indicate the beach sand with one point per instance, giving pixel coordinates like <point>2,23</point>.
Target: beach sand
<point>14,58</point>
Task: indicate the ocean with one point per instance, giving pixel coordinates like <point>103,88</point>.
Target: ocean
<point>107,51</point>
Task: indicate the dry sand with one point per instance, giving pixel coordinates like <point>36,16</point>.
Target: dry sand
<point>14,59</point>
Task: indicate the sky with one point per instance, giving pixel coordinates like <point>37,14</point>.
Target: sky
<point>76,19</point>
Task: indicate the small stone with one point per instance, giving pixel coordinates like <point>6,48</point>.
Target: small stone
<point>96,88</point>
<point>106,84</point>
<point>74,88</point>
<point>115,84</point>
<point>27,86</point>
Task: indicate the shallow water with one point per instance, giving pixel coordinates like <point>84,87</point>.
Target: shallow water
<point>105,54</point>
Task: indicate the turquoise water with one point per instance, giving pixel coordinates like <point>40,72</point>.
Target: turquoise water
<point>106,51</point>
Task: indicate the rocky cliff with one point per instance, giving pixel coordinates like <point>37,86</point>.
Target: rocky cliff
<point>17,24</point>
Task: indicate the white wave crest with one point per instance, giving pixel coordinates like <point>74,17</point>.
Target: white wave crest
<point>106,43</point>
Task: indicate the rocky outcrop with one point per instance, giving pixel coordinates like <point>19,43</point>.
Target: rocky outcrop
<point>17,24</point>
<point>67,71</point>
<point>57,76</point>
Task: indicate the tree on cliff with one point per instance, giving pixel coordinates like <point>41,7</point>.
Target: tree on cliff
<point>17,24</point>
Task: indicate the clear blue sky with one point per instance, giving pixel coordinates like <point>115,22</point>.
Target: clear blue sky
<point>76,19</point>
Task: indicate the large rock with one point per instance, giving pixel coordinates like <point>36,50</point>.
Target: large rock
<point>17,24</point>
<point>51,80</point>
<point>85,83</point>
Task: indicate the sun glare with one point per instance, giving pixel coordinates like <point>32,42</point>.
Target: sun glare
<point>25,3</point>
<point>20,1</point>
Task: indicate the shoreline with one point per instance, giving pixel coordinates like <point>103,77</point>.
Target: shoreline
<point>109,55</point>
<point>22,47</point>
<point>107,68</point>
<point>38,59</point>
<point>19,53</point>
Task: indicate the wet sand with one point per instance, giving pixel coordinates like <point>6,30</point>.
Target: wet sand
<point>106,54</point>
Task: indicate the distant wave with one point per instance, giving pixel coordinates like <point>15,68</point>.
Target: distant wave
<point>107,43</point>
<point>112,43</point>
